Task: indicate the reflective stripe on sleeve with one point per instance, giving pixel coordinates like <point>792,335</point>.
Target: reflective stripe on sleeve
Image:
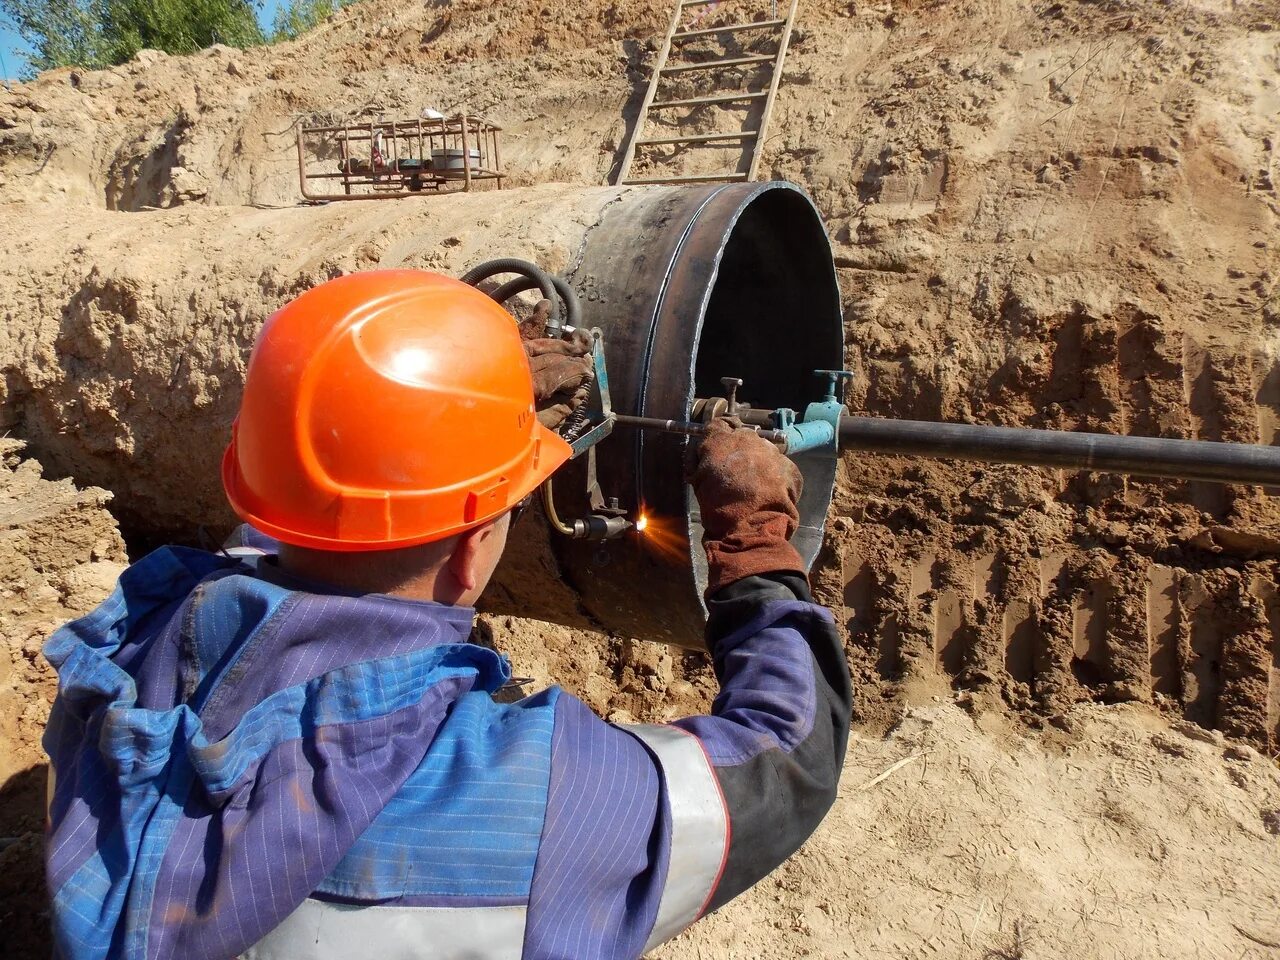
<point>249,555</point>
<point>320,930</point>
<point>699,827</point>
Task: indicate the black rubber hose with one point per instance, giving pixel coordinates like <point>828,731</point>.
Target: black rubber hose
<point>573,309</point>
<point>541,279</point>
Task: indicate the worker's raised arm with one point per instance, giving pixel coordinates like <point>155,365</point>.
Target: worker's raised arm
<point>648,827</point>
<point>777,732</point>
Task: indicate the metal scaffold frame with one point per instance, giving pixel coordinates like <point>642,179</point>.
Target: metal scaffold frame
<point>387,159</point>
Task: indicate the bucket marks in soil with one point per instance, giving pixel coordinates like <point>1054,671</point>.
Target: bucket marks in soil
<point>1127,375</point>
<point>1153,399</point>
<point>1269,595</point>
<point>1163,659</point>
<point>1266,375</point>
<point>1047,631</point>
<point>1057,610</point>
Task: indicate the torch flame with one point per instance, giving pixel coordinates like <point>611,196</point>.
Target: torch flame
<point>641,522</point>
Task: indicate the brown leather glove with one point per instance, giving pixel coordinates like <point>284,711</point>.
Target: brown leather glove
<point>747,491</point>
<point>561,375</point>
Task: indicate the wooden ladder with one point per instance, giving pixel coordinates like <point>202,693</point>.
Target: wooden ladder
<point>666,67</point>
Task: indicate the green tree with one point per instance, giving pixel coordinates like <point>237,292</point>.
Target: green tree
<point>176,26</point>
<point>298,16</point>
<point>61,32</point>
<point>98,33</point>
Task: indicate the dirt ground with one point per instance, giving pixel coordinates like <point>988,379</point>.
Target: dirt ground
<point>961,836</point>
<point>1046,214</point>
<point>60,553</point>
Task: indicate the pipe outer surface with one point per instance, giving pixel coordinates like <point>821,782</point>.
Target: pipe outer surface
<point>688,285</point>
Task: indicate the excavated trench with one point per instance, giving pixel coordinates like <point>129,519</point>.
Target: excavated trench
<point>687,284</point>
<point>1011,586</point>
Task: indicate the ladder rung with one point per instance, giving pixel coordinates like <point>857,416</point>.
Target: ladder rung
<point>698,138</point>
<point>700,178</point>
<point>731,28</point>
<point>698,101</point>
<point>715,64</point>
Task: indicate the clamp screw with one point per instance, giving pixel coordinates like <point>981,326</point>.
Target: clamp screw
<point>731,385</point>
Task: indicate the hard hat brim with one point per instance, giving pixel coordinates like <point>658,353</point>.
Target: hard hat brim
<point>553,453</point>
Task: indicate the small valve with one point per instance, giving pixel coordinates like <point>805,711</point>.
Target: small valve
<point>832,378</point>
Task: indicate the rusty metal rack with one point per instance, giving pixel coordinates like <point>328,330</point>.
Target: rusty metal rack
<point>386,159</point>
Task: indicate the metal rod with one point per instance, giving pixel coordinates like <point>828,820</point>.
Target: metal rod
<point>448,125</point>
<point>721,64</point>
<point>478,174</point>
<point>699,101</point>
<point>466,157</point>
<point>666,426</point>
<point>497,156</point>
<point>1106,453</point>
<point>302,167</point>
<point>730,28</point>
<point>686,427</point>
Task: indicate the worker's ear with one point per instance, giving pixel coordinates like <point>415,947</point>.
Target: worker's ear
<point>468,564</point>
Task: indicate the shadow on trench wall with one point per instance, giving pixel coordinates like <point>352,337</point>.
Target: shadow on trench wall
<point>24,901</point>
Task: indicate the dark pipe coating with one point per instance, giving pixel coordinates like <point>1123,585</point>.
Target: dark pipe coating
<point>1102,452</point>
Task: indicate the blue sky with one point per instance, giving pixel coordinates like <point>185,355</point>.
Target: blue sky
<point>13,51</point>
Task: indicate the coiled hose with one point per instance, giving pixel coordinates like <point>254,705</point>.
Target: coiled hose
<point>573,309</point>
<point>529,273</point>
<point>555,290</point>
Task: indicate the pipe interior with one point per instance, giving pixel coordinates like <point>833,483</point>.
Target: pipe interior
<point>772,319</point>
<point>774,312</point>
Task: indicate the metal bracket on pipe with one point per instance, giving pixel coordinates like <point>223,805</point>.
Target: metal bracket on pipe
<point>598,408</point>
<point>820,428</point>
<point>607,518</point>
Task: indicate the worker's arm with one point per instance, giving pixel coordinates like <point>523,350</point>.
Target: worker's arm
<point>778,730</point>
<point>649,827</point>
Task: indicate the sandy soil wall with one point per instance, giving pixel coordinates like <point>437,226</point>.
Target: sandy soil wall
<point>1061,217</point>
<point>1053,214</point>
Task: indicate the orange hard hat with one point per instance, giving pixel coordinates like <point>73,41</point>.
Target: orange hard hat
<point>386,409</point>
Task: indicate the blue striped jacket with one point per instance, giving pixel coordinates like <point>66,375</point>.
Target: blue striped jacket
<point>245,767</point>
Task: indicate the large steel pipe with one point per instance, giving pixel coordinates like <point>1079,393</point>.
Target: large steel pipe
<point>690,285</point>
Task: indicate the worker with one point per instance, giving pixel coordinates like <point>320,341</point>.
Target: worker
<point>292,749</point>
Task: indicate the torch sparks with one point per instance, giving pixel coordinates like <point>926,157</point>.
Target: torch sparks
<point>641,523</point>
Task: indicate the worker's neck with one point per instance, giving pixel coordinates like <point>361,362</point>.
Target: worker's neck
<point>415,573</point>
